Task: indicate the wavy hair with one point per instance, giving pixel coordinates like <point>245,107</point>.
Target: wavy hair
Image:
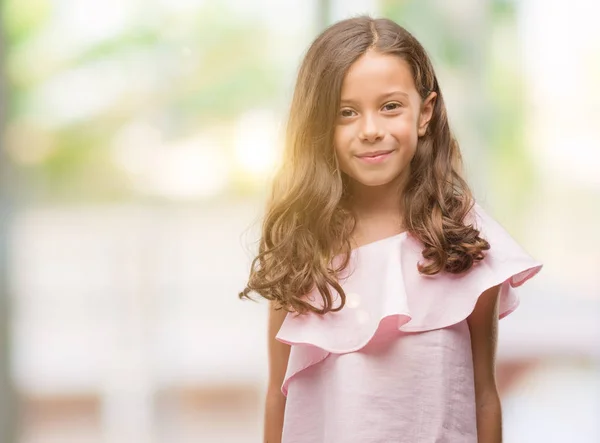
<point>307,220</point>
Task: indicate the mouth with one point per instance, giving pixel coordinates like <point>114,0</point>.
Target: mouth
<point>375,157</point>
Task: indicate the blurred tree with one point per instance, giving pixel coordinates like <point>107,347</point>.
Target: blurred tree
<point>324,14</point>
<point>512,177</point>
<point>9,414</point>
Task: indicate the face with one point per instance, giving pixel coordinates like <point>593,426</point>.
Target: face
<point>380,119</point>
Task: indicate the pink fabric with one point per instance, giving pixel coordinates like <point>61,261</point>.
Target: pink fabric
<point>395,364</point>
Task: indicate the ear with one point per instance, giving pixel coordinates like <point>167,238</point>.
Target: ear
<point>426,113</point>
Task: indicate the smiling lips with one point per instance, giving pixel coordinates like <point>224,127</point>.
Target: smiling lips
<point>374,153</point>
<point>375,156</point>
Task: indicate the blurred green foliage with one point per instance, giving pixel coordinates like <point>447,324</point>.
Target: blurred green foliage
<point>207,67</point>
<point>23,17</point>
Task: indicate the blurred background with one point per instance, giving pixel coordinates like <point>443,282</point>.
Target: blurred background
<point>137,141</point>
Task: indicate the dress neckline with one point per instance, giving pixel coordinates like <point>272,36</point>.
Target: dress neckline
<point>381,240</point>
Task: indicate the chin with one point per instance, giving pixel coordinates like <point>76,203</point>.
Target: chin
<point>374,181</point>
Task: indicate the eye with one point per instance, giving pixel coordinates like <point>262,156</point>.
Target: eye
<point>346,113</point>
<point>391,106</point>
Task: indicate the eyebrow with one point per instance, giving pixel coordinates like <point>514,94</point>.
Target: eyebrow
<point>381,97</point>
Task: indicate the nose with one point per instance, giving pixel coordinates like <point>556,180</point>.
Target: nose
<point>370,130</point>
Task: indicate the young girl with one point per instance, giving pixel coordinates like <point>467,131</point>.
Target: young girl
<point>386,280</point>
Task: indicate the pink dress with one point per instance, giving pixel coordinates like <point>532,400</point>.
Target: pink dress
<point>395,364</point>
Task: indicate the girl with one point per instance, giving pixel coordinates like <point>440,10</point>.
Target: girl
<point>386,280</point>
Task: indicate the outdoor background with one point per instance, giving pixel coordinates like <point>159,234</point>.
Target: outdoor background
<point>137,139</point>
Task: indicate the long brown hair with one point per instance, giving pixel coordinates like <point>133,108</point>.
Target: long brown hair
<point>307,222</point>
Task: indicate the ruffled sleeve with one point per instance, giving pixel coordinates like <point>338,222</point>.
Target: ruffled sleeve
<point>382,282</point>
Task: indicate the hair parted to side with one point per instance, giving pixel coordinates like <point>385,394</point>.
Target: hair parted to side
<point>307,220</point>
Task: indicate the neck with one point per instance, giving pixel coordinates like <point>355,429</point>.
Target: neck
<point>377,203</point>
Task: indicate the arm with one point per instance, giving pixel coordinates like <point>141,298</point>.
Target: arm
<point>483,325</point>
<point>278,359</point>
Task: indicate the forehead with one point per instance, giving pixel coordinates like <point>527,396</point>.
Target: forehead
<point>373,74</point>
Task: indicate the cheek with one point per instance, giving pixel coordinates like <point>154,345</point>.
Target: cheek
<point>404,129</point>
<point>341,138</point>
<point>406,136</point>
<point>341,144</point>
<point>342,141</point>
